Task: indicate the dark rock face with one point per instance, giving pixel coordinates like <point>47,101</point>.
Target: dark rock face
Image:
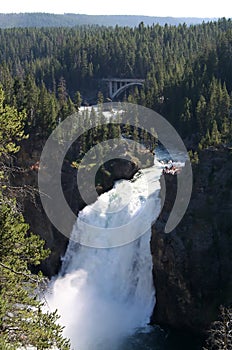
<point>192,264</point>
<point>39,223</point>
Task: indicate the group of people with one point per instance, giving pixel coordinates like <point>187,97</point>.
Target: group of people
<point>171,168</point>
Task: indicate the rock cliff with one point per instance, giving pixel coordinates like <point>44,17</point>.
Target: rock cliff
<point>192,264</point>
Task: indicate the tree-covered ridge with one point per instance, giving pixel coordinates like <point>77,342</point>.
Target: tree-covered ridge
<point>187,72</point>
<point>11,20</point>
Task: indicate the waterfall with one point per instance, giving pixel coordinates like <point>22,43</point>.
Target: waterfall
<point>105,294</point>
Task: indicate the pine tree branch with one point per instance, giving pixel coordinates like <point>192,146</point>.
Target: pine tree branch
<point>19,273</point>
<point>29,277</point>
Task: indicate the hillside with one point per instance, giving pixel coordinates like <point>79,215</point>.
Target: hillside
<point>70,20</point>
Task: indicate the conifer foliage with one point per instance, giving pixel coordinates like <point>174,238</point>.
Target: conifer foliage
<point>220,334</point>
<point>24,316</point>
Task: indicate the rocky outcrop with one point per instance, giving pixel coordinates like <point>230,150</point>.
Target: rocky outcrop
<point>192,264</point>
<point>36,217</point>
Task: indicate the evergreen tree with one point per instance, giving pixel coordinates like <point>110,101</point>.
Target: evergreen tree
<point>201,114</point>
<point>77,100</point>
<point>215,134</point>
<point>220,337</point>
<point>23,319</point>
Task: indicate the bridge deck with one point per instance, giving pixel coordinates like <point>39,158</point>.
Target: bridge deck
<point>124,80</point>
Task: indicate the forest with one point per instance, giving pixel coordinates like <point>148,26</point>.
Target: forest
<point>187,71</point>
<point>46,74</point>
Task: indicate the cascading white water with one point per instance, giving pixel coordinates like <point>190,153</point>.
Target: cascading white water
<point>105,295</point>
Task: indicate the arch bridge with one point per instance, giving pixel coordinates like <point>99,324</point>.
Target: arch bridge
<point>118,85</point>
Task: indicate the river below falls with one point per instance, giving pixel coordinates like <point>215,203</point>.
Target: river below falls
<point>155,338</point>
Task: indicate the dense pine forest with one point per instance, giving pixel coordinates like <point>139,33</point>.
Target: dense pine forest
<point>187,71</point>
<point>46,74</point>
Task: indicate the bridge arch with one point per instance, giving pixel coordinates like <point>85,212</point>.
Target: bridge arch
<point>118,85</point>
<point>124,88</point>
